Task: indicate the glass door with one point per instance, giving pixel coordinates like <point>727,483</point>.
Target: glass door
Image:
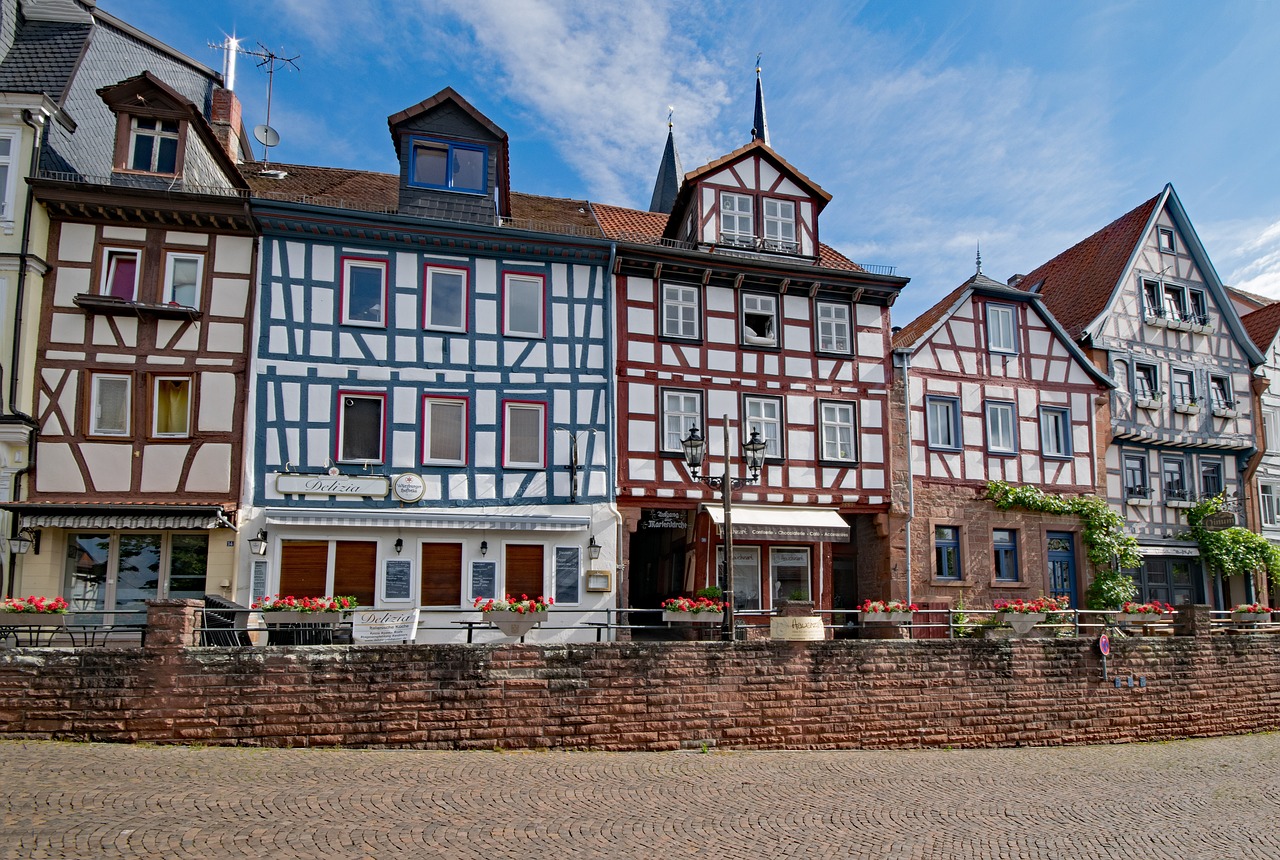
<point>1062,565</point>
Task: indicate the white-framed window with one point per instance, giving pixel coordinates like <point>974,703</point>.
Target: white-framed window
<point>1055,431</point>
<point>109,406</point>
<point>444,431</point>
<point>1175,302</point>
<point>779,225</point>
<point>445,298</point>
<point>835,327</point>
<point>8,172</point>
<point>764,415</point>
<point>522,305</point>
<point>1166,239</point>
<point>1267,496</point>
<point>1002,331</point>
<point>746,576</point>
<point>1220,390</point>
<point>171,406</point>
<point>183,275</point>
<point>680,311</point>
<point>736,221</point>
<point>360,427</point>
<point>759,319</point>
<point>942,416</point>
<point>524,439</point>
<point>1002,419</point>
<point>120,269</point>
<point>789,573</point>
<point>681,410</point>
<point>153,145</point>
<point>364,292</point>
<point>839,432</point>
<point>1271,428</point>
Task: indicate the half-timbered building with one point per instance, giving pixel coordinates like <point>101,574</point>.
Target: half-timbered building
<point>1142,297</point>
<point>431,420</point>
<point>731,310</point>
<point>1262,501</point>
<point>990,387</point>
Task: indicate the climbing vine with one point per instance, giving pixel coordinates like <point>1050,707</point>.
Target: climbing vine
<point>1108,547</point>
<point>1235,551</point>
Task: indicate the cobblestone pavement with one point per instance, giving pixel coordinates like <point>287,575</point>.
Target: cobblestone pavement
<point>1214,798</point>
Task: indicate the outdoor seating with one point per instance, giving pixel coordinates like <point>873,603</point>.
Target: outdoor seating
<point>225,622</point>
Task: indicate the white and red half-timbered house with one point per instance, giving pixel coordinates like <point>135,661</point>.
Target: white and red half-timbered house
<point>989,387</point>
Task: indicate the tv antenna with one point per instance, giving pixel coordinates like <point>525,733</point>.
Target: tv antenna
<point>265,134</point>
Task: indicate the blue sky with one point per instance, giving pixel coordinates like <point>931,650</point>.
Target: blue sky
<point>935,125</point>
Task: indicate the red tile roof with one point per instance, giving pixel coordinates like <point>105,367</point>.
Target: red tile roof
<point>1077,284</point>
<point>631,225</point>
<point>1262,325</point>
<point>918,327</point>
<point>325,186</point>
<point>534,212</point>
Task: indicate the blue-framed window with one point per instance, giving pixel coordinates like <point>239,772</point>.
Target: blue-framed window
<point>449,165</point>
<point>942,419</point>
<point>1055,431</point>
<point>1004,552</point>
<point>946,552</point>
<point>1002,423</point>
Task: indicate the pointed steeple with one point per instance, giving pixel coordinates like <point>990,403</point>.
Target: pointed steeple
<point>669,174</point>
<point>979,272</point>
<point>760,125</point>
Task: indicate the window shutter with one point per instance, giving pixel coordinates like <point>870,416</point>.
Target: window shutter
<point>442,574</point>
<point>355,570</point>
<point>524,570</point>
<point>304,567</point>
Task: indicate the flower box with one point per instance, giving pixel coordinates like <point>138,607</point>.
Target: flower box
<point>1021,622</point>
<point>1138,501</point>
<point>1149,402</point>
<point>1178,503</point>
<point>32,628</point>
<point>1251,617</point>
<point>1225,412</point>
<point>1143,617</point>
<point>1187,408</point>
<point>516,623</point>
<point>694,617</point>
<point>886,617</point>
<point>293,616</point>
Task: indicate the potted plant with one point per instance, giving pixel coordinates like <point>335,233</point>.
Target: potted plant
<point>38,618</point>
<point>1023,615</point>
<point>1144,613</point>
<point>287,609</point>
<point>1251,613</point>
<point>887,611</point>
<point>703,609</point>
<point>514,617</point>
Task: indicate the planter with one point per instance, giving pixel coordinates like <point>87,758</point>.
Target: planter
<point>32,619</point>
<point>1225,412</point>
<point>1021,622</point>
<point>294,617</point>
<point>1149,402</point>
<point>1251,617</point>
<point>694,617</point>
<point>886,617</point>
<point>1187,408</point>
<point>515,623</point>
<point>290,627</point>
<point>1143,617</point>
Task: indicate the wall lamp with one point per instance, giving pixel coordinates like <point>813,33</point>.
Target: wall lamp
<point>484,547</point>
<point>258,545</point>
<point>593,548</point>
<point>399,545</point>
<point>24,540</point>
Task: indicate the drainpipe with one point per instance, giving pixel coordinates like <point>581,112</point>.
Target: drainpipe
<point>902,358</point>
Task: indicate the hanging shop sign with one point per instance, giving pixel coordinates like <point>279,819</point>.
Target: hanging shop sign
<point>1179,551</point>
<point>369,486</point>
<point>408,487</point>
<point>665,520</point>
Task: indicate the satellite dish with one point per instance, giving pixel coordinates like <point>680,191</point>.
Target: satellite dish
<point>266,135</point>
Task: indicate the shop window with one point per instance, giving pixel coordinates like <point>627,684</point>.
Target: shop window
<point>525,443</point>
<point>109,407</point>
<point>523,571</point>
<point>680,311</point>
<point>839,432</point>
<point>188,566</point>
<point>681,411</point>
<point>1004,553</point>
<point>118,573</point>
<point>364,292</point>
<point>120,273</point>
<point>441,574</point>
<point>523,305</point>
<point>445,431</point>
<point>360,428</point>
<point>445,302</point>
<point>746,576</point>
<point>171,406</point>
<point>835,327</point>
<point>764,415</point>
<point>946,553</point>
<point>759,320</point>
<point>182,277</point>
<point>789,573</point>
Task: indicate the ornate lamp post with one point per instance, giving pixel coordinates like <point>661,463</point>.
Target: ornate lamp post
<point>695,449</point>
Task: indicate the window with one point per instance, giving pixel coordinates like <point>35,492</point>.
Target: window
<point>680,316</point>
<point>109,411</point>
<point>119,572</point>
<point>764,415</point>
<point>364,292</point>
<point>1001,329</point>
<point>1210,478</point>
<point>839,432</point>
<point>182,278</point>
<point>1166,239</point>
<point>1199,308</point>
<point>1136,485</point>
<point>1173,477</point>
<point>1267,495</point>
<point>681,410</point>
<point>1271,428</point>
<point>834,327</point>
<point>746,576</point>
<point>779,225</point>
<point>523,303</point>
<point>946,552</point>
<point>360,428</point>
<point>445,302</point>
<point>759,319</point>
<point>1004,553</point>
<point>441,577</point>
<point>444,428</point>
<point>153,145</point>
<point>1146,381</point>
<point>789,573</point>
<point>942,415</point>
<point>1152,299</point>
<point>1183,383</point>
<point>8,153</point>
<point>1175,302</point>
<point>736,222</point>
<point>171,412</point>
<point>1001,421</point>
<point>120,273</point>
<point>1055,432</point>
<point>452,166</point>
<point>1220,390</point>
<point>525,429</point>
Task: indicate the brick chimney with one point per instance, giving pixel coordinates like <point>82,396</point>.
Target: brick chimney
<point>224,116</point>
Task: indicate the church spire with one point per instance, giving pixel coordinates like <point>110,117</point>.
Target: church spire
<point>760,126</point>
<point>669,174</point>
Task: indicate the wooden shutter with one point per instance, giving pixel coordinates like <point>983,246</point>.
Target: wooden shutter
<point>304,567</point>
<point>524,570</point>
<point>355,570</point>
<point>442,574</point>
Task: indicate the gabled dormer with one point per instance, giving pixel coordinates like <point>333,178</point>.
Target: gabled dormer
<point>453,161</point>
<point>749,200</point>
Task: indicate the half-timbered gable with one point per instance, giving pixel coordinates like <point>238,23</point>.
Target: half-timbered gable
<point>1263,498</point>
<point>993,389</point>
<point>1143,296</point>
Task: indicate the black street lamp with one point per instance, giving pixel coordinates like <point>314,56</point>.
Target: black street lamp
<point>695,449</point>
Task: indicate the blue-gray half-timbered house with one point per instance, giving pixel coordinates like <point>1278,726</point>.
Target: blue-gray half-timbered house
<point>432,406</point>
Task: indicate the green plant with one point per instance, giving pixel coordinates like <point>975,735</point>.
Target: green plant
<point>1234,551</point>
<point>960,619</point>
<point>711,592</point>
<point>1110,588</point>
<point>798,594</point>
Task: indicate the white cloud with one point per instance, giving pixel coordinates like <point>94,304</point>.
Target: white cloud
<point>1248,254</point>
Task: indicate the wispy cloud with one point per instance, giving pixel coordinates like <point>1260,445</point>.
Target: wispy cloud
<point>1247,254</point>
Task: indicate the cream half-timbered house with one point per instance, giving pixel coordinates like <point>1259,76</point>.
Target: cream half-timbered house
<point>731,309</point>
<point>989,387</point>
<point>1142,296</point>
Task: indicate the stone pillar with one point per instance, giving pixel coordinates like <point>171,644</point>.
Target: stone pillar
<point>1192,620</point>
<point>172,624</point>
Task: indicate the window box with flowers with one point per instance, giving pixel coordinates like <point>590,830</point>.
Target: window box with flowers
<point>32,620</point>
<point>1144,613</point>
<point>1024,615</point>
<point>887,611</point>
<point>302,620</point>
<point>693,609</point>
<point>1187,405</point>
<point>1251,613</point>
<point>514,617</point>
<point>1150,400</point>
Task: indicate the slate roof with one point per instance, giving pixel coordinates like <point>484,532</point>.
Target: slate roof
<point>43,58</point>
<point>667,185</point>
<point>1262,325</point>
<point>1077,284</point>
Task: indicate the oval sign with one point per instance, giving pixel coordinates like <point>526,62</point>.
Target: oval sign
<point>409,487</point>
<point>1104,644</point>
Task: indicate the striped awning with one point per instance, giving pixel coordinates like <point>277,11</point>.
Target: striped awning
<point>759,522</point>
<point>122,521</point>
<point>386,519</point>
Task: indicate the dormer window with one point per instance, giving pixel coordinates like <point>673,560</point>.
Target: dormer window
<point>450,166</point>
<point>736,220</point>
<point>780,226</point>
<point>153,145</point>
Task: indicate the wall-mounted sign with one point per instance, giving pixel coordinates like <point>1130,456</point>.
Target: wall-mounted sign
<point>408,487</point>
<point>1219,521</point>
<point>396,584</point>
<point>384,626</point>
<point>804,628</point>
<point>1179,551</point>
<point>374,486</point>
<point>484,580</point>
<point>665,520</point>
